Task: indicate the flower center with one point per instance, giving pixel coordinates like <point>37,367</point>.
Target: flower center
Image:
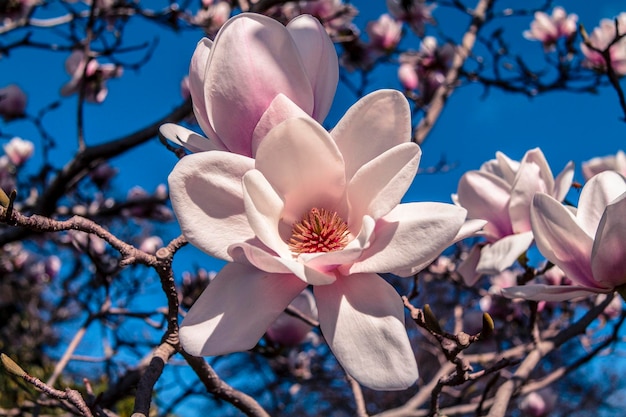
<point>319,230</point>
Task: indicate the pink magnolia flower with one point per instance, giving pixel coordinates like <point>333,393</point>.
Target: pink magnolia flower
<point>597,165</point>
<point>587,244</point>
<point>235,79</point>
<point>315,209</point>
<point>212,16</point>
<point>289,330</point>
<point>90,75</point>
<point>384,33</point>
<point>601,38</point>
<point>19,150</point>
<point>12,102</point>
<point>335,15</point>
<point>430,65</point>
<point>538,403</point>
<point>549,29</point>
<point>415,13</point>
<point>501,192</point>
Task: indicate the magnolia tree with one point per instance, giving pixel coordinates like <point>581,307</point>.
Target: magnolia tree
<point>334,295</point>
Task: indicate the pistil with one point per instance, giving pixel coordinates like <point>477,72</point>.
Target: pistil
<point>320,230</point>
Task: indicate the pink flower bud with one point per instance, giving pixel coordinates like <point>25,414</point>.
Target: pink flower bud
<point>385,33</point>
<point>408,77</point>
<point>12,102</point>
<point>289,330</point>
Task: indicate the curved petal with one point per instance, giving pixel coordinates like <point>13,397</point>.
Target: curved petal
<point>265,261</point>
<point>376,123</point>
<point>410,237</point>
<point>279,110</point>
<point>187,138</point>
<point>380,184</point>
<point>304,166</point>
<point>197,72</point>
<point>541,292</point>
<point>561,240</point>
<point>235,309</point>
<point>498,256</point>
<point>527,182</point>
<point>253,59</point>
<point>486,197</point>
<point>536,156</point>
<point>362,319</point>
<point>320,61</point>
<point>264,208</point>
<point>563,182</point>
<point>595,196</point>
<point>609,248</point>
<point>470,228</point>
<point>503,167</point>
<point>207,197</point>
<point>467,268</point>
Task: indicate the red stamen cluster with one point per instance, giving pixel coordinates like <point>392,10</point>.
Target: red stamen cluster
<point>319,231</point>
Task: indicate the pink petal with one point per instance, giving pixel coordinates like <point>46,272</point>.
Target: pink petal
<point>375,124</point>
<point>304,166</point>
<point>362,319</point>
<point>609,249</point>
<point>235,309</point>
<point>595,196</point>
<point>486,197</point>
<point>187,138</point>
<point>207,197</point>
<point>470,228</point>
<point>535,156</point>
<point>259,256</point>
<point>253,59</point>
<point>380,184</point>
<point>541,292</point>
<point>498,256</point>
<point>410,237</point>
<point>197,73</point>
<point>279,110</point>
<point>561,240</point>
<point>320,61</point>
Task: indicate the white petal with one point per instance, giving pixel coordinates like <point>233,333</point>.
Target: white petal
<point>541,292</point>
<point>375,124</point>
<point>187,138</point>
<point>563,182</point>
<point>264,208</point>
<point>380,184</point>
<point>498,256</point>
<point>608,256</point>
<point>595,196</point>
<point>235,309</point>
<point>410,237</point>
<point>362,319</point>
<point>207,197</point>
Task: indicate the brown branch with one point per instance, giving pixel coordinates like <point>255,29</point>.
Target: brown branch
<point>222,390</point>
<point>452,77</point>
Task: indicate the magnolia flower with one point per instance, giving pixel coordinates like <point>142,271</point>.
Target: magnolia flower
<point>587,244</point>
<point>19,150</point>
<point>289,330</point>
<point>501,192</point>
<point>601,38</point>
<point>538,403</point>
<point>212,16</point>
<point>429,65</point>
<point>415,13</point>
<point>253,59</point>
<point>90,75</point>
<point>315,209</point>
<point>12,102</point>
<point>384,33</point>
<point>549,29</point>
<point>597,165</point>
<point>335,15</point>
